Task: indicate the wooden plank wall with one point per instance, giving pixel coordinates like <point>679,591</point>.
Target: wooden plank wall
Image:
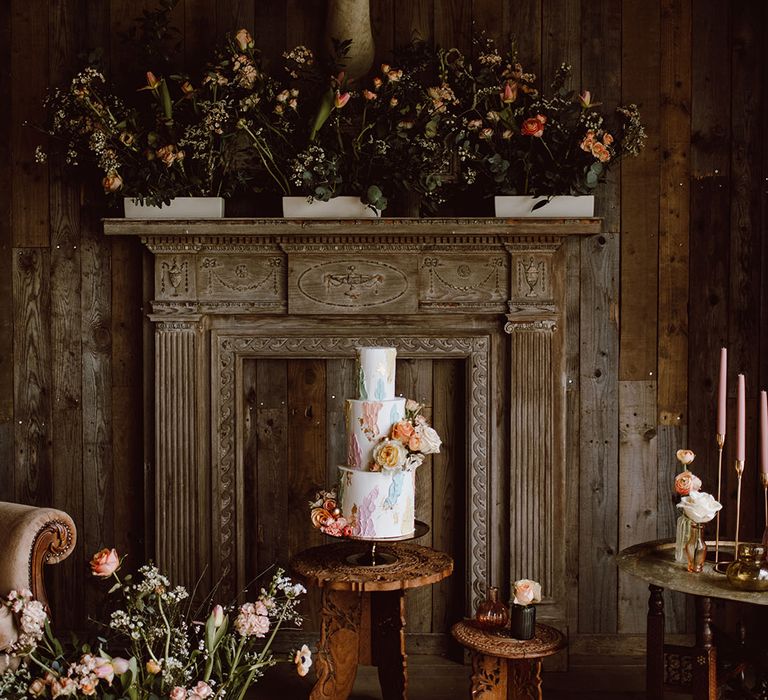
<point>679,270</point>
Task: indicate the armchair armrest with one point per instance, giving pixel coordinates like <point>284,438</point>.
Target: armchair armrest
<point>31,538</point>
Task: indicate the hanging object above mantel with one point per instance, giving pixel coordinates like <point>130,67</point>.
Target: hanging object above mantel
<point>351,19</point>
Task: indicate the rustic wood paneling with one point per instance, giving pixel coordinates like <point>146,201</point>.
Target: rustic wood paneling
<point>414,381</point>
<point>640,196</point>
<point>601,74</point>
<point>29,70</point>
<point>453,24</point>
<point>232,15</point>
<point>488,17</point>
<point>637,506</point>
<point>521,22</point>
<point>413,20</point>
<point>7,471</point>
<point>598,514</point>
<point>269,27</point>
<point>32,385</point>
<point>561,39</point>
<point>674,210</point>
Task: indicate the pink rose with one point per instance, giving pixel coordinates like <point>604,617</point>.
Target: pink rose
<point>105,562</point>
<point>414,443</point>
<point>178,693</point>
<point>202,690</point>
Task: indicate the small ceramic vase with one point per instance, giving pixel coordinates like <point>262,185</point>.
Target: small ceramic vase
<point>696,548</point>
<point>749,572</point>
<point>522,621</point>
<point>492,614</point>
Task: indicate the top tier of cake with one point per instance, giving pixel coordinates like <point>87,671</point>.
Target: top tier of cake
<point>376,373</point>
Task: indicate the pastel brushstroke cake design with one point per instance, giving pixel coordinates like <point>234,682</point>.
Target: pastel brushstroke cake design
<point>386,440</point>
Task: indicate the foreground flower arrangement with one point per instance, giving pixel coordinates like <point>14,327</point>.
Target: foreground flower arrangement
<point>153,649</point>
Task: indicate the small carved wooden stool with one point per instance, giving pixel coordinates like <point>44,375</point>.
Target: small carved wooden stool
<point>504,668</point>
<point>363,613</point>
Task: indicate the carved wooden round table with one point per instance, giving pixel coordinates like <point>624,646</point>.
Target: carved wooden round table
<point>363,612</point>
<point>504,668</point>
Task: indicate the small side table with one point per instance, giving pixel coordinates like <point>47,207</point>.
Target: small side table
<point>363,611</point>
<point>504,668</point>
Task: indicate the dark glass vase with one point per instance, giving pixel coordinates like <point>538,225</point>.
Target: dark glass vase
<point>492,614</point>
<point>522,621</point>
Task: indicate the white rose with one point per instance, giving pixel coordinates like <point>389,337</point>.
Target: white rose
<point>526,592</point>
<point>699,506</point>
<point>429,439</point>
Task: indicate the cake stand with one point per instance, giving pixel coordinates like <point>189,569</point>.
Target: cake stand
<point>371,557</point>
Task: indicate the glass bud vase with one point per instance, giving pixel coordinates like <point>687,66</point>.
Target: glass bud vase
<point>682,537</point>
<point>492,614</point>
<point>696,548</point>
<point>522,623</point>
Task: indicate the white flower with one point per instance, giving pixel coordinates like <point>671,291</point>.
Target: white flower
<point>413,461</point>
<point>390,454</point>
<point>429,440</point>
<point>303,660</point>
<point>699,506</point>
<point>526,592</point>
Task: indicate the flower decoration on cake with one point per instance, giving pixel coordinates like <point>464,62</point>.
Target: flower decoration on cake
<point>326,515</point>
<point>415,435</point>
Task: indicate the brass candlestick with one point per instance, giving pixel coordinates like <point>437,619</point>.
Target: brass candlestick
<point>720,443</point>
<point>739,471</point>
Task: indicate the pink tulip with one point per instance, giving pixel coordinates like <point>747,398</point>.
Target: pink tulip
<point>218,616</point>
<point>341,99</point>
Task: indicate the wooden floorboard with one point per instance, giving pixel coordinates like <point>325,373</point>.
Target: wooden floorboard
<point>437,678</point>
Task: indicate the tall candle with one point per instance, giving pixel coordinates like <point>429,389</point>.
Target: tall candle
<point>722,392</point>
<point>741,421</point>
<point>764,432</point>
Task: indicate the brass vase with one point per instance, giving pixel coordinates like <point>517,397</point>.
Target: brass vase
<point>750,571</point>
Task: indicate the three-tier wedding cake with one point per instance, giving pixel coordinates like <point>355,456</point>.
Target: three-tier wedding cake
<point>386,439</point>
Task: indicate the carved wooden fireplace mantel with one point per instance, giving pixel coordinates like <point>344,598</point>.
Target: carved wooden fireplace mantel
<point>488,293</point>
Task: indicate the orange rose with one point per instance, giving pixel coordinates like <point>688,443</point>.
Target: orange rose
<point>112,182</point>
<point>534,126</point>
<point>402,431</point>
<point>589,139</point>
<point>685,482</point>
<point>105,562</point>
<point>414,443</point>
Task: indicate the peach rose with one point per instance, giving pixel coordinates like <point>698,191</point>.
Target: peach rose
<point>243,39</point>
<point>685,482</point>
<point>112,182</point>
<point>105,562</point>
<point>390,454</point>
<point>685,456</point>
<point>320,516</point>
<point>153,667</point>
<point>178,693</point>
<point>534,126</point>
<point>600,152</point>
<point>607,139</point>
<point>402,430</point>
<point>587,141</point>
<point>414,443</point>
<point>167,154</point>
<point>36,687</point>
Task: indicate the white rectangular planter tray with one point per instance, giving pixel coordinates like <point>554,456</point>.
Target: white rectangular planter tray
<point>336,208</point>
<point>179,208</point>
<point>565,206</point>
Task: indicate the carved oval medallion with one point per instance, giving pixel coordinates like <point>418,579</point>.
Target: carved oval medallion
<point>353,283</point>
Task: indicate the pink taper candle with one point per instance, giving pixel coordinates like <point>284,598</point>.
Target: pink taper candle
<point>722,392</point>
<point>764,432</point>
<point>741,421</point>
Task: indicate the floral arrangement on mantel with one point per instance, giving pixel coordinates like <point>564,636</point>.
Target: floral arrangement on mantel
<point>304,128</point>
<point>155,648</point>
<point>405,448</point>
<point>514,139</point>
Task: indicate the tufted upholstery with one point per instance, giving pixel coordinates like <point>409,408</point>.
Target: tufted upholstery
<point>31,537</point>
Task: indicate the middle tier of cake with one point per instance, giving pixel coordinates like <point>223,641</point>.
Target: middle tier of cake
<point>367,424</point>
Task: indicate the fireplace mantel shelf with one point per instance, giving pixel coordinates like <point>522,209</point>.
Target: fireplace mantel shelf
<point>400,228</point>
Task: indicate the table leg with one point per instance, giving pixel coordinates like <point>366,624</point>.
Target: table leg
<point>337,652</point>
<point>524,679</point>
<point>705,654</point>
<point>489,677</point>
<point>654,654</point>
<point>388,643</point>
